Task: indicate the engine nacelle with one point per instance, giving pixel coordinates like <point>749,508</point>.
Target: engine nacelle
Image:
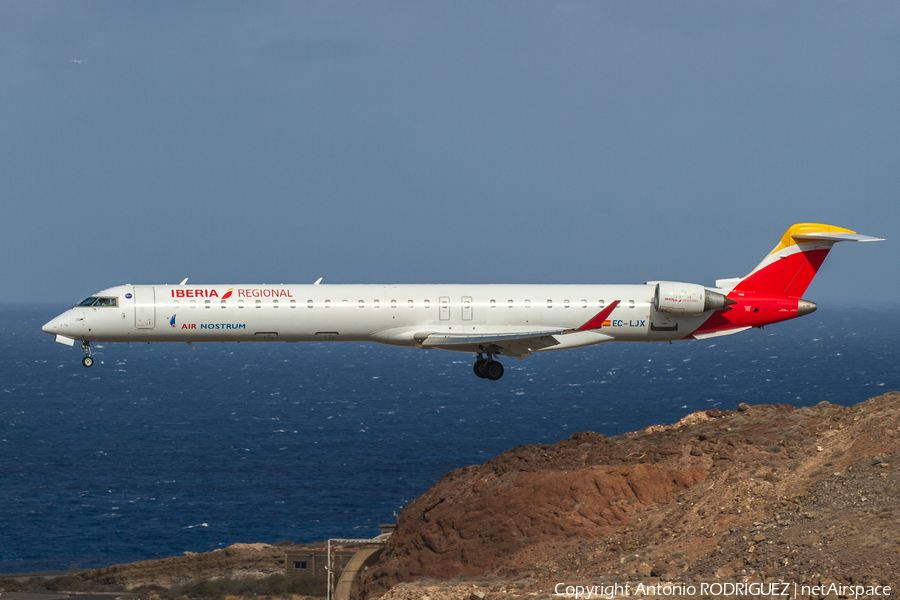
<point>687,299</point>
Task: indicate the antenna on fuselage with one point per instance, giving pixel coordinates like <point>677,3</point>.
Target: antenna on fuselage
<point>183,281</point>
<point>318,281</point>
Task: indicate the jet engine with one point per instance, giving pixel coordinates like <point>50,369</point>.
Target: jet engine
<point>687,299</point>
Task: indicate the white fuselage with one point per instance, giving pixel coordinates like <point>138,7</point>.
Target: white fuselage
<point>390,314</point>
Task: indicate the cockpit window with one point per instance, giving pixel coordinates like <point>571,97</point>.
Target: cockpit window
<point>95,301</point>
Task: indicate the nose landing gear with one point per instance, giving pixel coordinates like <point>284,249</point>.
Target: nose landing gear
<point>88,359</point>
<point>488,368</point>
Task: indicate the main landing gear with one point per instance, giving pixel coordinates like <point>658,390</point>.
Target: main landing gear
<point>488,368</point>
<point>88,359</point>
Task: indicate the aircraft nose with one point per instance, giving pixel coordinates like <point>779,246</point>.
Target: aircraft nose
<point>53,326</point>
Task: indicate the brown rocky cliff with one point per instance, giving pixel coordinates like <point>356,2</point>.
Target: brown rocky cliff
<point>670,495</point>
<point>510,511</point>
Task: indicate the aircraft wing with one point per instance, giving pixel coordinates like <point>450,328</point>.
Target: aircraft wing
<point>518,344</point>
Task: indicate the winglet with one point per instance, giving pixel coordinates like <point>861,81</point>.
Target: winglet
<point>599,318</point>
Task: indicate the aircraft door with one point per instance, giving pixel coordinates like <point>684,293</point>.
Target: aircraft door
<point>144,307</point>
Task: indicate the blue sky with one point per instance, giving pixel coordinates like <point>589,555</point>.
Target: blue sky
<point>394,142</point>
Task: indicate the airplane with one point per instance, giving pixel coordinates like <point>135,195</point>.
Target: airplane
<point>488,321</point>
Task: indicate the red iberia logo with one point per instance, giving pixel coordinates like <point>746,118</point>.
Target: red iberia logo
<point>180,292</point>
<point>276,292</point>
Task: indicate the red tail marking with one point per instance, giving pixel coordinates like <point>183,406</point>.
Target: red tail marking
<point>770,295</point>
<point>597,321</point>
<point>789,276</point>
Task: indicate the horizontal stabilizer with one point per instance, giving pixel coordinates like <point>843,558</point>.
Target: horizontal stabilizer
<point>835,237</point>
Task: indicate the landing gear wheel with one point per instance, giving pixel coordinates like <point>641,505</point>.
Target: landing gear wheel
<point>479,367</point>
<point>493,370</point>
<point>88,351</point>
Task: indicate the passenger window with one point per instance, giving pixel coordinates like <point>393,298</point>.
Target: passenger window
<point>549,303</point>
<point>601,303</point>
<point>206,303</point>
<point>309,304</point>
<point>631,304</point>
<point>240,303</point>
<point>584,304</point>
<point>565,304</point>
<point>223,303</point>
<point>427,303</point>
<point>528,304</point>
<point>328,304</point>
<point>376,303</point>
<point>258,303</point>
<point>362,303</point>
<point>410,303</point>
<point>509,303</point>
<point>345,303</point>
<point>293,303</point>
<point>275,303</point>
<point>493,304</point>
<point>175,303</point>
<point>193,304</point>
<point>393,304</point>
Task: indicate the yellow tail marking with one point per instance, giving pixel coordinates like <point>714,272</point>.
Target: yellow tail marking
<point>788,239</point>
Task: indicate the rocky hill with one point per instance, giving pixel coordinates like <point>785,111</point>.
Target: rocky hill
<point>762,493</point>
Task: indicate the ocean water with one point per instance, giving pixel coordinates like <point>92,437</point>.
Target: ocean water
<point>159,449</point>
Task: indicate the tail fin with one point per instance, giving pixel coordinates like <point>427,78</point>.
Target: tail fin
<point>772,291</point>
<point>791,266</point>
